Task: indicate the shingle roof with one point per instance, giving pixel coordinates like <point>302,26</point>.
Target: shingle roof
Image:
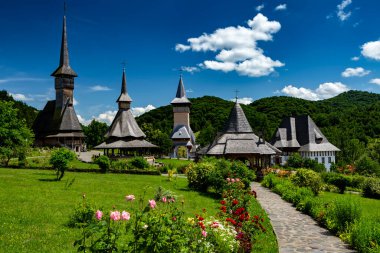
<point>124,97</point>
<point>69,120</point>
<point>238,138</point>
<point>237,122</point>
<point>64,64</point>
<point>180,97</point>
<point>126,144</point>
<point>124,125</point>
<point>301,133</point>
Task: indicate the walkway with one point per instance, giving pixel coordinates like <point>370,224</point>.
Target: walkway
<point>296,232</point>
<point>87,156</point>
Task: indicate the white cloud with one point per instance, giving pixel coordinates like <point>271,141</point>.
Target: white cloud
<point>75,102</point>
<point>21,79</point>
<point>20,97</point>
<point>280,7</point>
<point>375,81</point>
<point>371,50</point>
<point>324,91</point>
<point>341,13</point>
<point>349,72</point>
<point>190,69</point>
<point>260,7</point>
<point>189,90</point>
<point>108,116</point>
<point>99,88</point>
<point>244,101</point>
<point>83,121</point>
<point>355,58</point>
<point>137,111</point>
<point>237,47</point>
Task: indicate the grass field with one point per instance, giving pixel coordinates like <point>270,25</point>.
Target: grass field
<point>370,207</point>
<point>34,209</point>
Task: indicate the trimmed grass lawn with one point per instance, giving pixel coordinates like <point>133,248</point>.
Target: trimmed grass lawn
<point>370,207</point>
<point>34,209</point>
<point>174,162</point>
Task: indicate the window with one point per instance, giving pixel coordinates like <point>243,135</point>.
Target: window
<point>329,159</point>
<point>323,160</point>
<point>316,159</point>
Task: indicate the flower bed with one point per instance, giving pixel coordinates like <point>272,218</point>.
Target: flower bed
<point>160,225</point>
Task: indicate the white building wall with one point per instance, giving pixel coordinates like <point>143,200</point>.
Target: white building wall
<point>325,157</point>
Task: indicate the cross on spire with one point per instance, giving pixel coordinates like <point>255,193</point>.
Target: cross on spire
<point>236,94</point>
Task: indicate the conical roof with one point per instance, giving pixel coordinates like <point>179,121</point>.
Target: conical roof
<point>180,97</point>
<point>64,64</point>
<point>124,97</point>
<point>237,121</point>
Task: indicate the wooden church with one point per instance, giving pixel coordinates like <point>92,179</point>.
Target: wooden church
<point>57,124</point>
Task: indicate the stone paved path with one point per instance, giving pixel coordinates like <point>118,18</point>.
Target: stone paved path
<point>296,232</point>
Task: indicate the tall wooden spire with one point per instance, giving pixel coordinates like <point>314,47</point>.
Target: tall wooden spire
<point>64,64</point>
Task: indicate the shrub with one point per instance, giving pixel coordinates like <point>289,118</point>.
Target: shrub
<point>60,159</point>
<point>295,161</point>
<point>307,178</point>
<point>342,214</point>
<point>120,165</point>
<point>139,162</point>
<point>197,175</point>
<point>367,166</point>
<point>212,173</point>
<point>103,162</point>
<point>339,180</point>
<point>365,236</point>
<point>371,188</point>
<point>269,180</point>
<point>83,215</point>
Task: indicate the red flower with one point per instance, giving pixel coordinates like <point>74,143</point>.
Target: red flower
<point>200,218</point>
<point>235,202</point>
<point>223,209</point>
<point>233,222</point>
<point>201,225</point>
<point>223,202</point>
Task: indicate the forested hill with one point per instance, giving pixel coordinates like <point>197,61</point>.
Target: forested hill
<point>350,115</point>
<point>25,111</point>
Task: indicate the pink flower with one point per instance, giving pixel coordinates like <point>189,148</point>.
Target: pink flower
<point>237,179</point>
<point>164,199</point>
<point>215,224</point>
<point>228,179</point>
<point>204,233</point>
<point>130,197</point>
<point>172,200</point>
<point>125,215</point>
<point>115,215</point>
<point>152,203</point>
<point>233,180</point>
<point>98,215</point>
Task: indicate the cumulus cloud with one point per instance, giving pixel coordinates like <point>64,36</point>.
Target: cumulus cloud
<point>21,97</point>
<point>99,88</point>
<point>260,7</point>
<point>371,50</point>
<point>190,69</point>
<point>244,101</point>
<point>324,91</point>
<point>349,72</point>
<point>75,102</point>
<point>355,58</point>
<point>83,121</point>
<point>341,12</point>
<point>237,49</point>
<point>375,81</point>
<point>108,116</point>
<point>137,111</point>
<point>280,7</point>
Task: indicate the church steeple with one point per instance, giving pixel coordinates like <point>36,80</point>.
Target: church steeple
<point>64,65</point>
<point>124,99</point>
<point>180,97</point>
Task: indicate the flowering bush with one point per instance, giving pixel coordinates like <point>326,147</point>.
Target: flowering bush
<point>159,225</point>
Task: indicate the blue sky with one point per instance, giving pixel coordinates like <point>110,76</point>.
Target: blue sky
<point>309,49</point>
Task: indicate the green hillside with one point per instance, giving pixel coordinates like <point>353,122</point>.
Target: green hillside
<point>353,115</point>
<point>26,112</point>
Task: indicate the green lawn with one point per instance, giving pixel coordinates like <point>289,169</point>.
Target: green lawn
<point>370,207</point>
<point>34,209</point>
<point>174,162</point>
